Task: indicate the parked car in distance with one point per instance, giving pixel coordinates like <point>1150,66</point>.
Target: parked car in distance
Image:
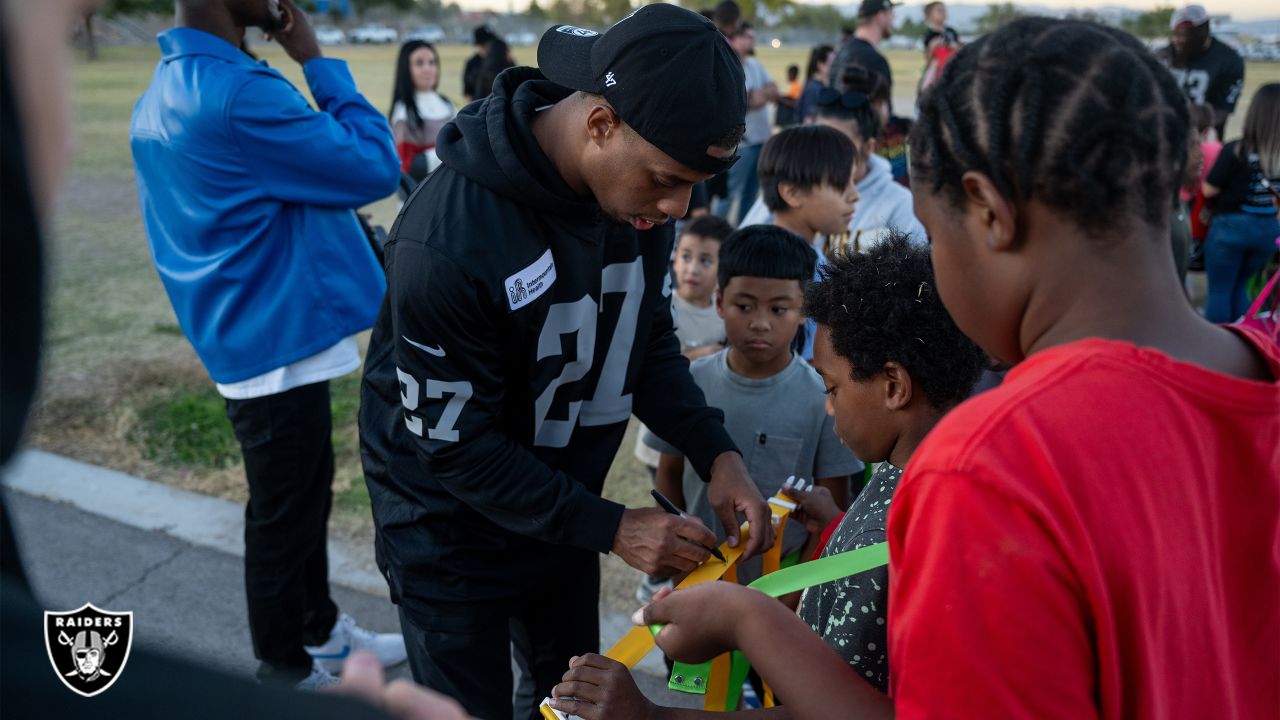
<point>1261,51</point>
<point>329,35</point>
<point>427,33</point>
<point>374,34</point>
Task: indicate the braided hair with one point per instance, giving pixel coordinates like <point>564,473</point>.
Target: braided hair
<point>1075,114</point>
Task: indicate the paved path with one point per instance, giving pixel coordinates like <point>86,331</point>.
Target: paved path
<point>88,534</point>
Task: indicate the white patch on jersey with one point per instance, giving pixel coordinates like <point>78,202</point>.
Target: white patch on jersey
<point>526,285</point>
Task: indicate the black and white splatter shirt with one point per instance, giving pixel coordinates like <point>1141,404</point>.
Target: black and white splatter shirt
<point>849,613</point>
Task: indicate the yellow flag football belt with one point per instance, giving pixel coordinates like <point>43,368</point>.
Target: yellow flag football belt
<point>721,679</point>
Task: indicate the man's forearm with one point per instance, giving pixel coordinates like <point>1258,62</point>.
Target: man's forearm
<point>671,404</point>
<point>669,479</point>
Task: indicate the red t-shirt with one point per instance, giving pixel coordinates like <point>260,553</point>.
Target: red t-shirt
<point>1097,537</point>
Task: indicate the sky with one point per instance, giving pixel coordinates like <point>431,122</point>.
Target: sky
<point>1241,10</point>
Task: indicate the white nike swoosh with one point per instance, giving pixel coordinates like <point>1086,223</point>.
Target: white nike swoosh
<point>437,351</point>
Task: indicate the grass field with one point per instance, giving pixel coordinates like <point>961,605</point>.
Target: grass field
<point>122,387</point>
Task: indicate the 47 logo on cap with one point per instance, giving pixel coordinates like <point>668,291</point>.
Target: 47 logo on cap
<point>88,647</point>
<point>580,32</point>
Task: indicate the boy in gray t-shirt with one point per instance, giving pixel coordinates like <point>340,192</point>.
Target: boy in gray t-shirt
<point>773,401</point>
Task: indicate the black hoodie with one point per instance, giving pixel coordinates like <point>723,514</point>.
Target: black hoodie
<point>521,330</point>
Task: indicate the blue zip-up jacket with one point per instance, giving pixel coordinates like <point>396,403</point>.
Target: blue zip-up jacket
<point>247,196</point>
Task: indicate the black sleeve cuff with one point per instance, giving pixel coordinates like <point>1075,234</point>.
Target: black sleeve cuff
<point>591,522</point>
<point>706,442</point>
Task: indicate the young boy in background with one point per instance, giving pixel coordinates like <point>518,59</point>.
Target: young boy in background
<point>771,398</point>
<point>794,86</point>
<point>938,34</point>
<point>786,113</point>
<point>940,44</point>
<point>698,324</point>
<point>802,201</point>
<point>806,180</point>
<point>882,204</point>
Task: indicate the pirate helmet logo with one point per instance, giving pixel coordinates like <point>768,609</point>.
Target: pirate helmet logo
<point>88,647</point>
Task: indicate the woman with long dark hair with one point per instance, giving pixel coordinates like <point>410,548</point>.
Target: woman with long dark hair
<point>1243,233</point>
<point>417,110</point>
<point>815,76</point>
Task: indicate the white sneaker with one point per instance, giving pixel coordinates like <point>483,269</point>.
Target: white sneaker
<point>318,679</point>
<point>347,637</point>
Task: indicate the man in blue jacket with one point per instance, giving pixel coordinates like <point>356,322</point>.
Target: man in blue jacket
<point>247,195</point>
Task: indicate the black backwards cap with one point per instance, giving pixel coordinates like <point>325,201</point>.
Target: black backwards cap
<point>871,8</point>
<point>667,72</point>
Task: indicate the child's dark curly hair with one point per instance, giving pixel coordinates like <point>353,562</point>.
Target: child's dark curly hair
<point>882,306</point>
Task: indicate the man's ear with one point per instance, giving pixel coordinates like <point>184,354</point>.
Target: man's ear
<point>719,302</point>
<point>869,148</point>
<point>792,195</point>
<point>898,387</point>
<point>602,121</point>
<point>989,212</point>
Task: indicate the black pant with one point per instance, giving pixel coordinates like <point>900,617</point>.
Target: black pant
<point>288,458</point>
<point>553,621</point>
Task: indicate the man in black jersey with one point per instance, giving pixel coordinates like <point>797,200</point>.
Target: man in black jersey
<point>1209,71</point>
<point>527,317</point>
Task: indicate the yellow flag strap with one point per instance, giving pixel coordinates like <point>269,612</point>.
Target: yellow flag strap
<point>639,640</point>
